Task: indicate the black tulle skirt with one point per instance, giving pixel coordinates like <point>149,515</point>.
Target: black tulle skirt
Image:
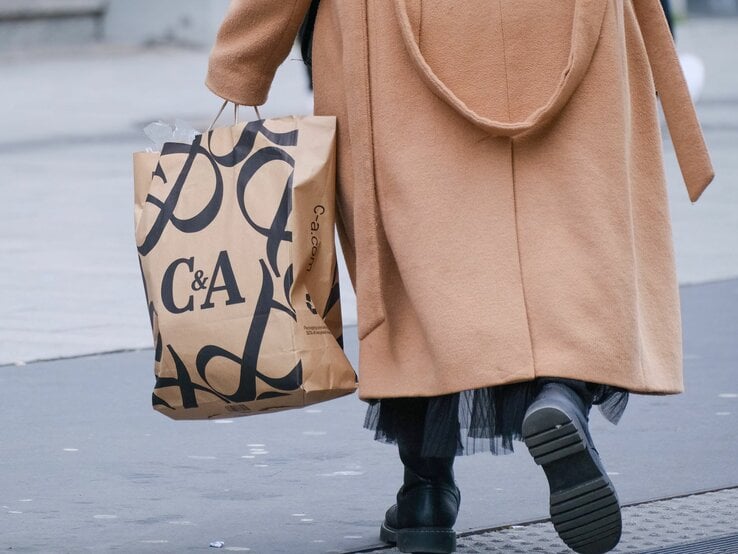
<point>480,420</point>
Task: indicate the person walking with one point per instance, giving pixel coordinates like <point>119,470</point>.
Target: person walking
<point>503,213</point>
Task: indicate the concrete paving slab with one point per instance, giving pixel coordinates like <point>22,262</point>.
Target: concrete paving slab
<point>87,465</point>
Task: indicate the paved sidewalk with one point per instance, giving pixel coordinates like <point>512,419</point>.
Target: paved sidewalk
<point>88,466</point>
<point>72,119</point>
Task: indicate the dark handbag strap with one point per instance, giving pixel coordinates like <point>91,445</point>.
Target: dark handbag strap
<point>307,29</point>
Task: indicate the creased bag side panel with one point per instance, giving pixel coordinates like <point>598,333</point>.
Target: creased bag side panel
<point>316,293</point>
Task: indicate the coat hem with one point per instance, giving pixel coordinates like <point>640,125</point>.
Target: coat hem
<point>370,394</point>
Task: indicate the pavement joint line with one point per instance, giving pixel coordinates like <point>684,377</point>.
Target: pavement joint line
<point>719,281</point>
<point>88,354</point>
<point>696,546</point>
<point>68,141</point>
<point>130,134</point>
<point>498,528</point>
<point>143,349</point>
<point>708,101</point>
<point>708,127</point>
<point>74,357</point>
<point>698,492</point>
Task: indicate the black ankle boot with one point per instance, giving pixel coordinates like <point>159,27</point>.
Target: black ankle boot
<point>584,506</point>
<point>426,509</point>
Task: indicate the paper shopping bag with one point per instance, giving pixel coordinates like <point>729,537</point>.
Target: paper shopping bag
<point>235,237</point>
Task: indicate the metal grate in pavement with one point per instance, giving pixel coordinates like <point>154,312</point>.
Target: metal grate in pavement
<point>688,522</point>
<point>719,545</point>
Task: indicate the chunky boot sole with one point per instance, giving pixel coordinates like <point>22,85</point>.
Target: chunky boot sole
<point>425,540</point>
<point>584,506</point>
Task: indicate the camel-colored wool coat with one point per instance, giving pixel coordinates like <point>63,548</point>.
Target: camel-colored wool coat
<point>501,189</point>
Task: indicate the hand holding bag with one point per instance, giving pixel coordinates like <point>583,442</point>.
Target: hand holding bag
<point>235,237</point>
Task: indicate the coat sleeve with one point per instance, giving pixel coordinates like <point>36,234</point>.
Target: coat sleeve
<point>254,39</point>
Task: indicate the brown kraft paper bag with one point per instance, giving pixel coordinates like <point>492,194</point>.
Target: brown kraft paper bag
<point>235,237</point>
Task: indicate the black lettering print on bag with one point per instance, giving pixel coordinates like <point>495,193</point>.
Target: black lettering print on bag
<point>209,212</point>
<point>222,273</point>
<point>277,232</point>
<point>218,286</point>
<point>245,143</point>
<point>200,282</point>
<point>309,303</point>
<point>314,238</point>
<point>247,361</point>
<point>223,267</point>
<point>167,287</point>
<point>199,221</point>
<point>335,295</point>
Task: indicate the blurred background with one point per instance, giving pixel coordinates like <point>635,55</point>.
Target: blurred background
<point>79,81</point>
